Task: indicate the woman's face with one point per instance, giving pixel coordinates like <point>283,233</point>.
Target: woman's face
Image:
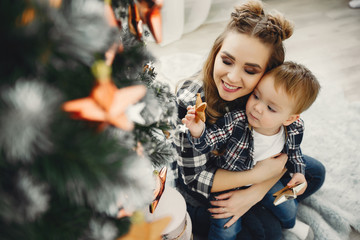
<point>239,65</point>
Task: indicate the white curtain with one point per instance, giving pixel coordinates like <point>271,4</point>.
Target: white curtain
<point>183,16</point>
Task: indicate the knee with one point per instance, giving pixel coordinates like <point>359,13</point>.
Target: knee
<point>289,218</point>
<point>288,224</point>
<point>315,170</point>
<point>319,173</point>
<point>287,214</point>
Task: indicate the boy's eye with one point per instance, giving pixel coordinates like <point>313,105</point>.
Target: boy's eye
<point>271,109</point>
<point>255,96</point>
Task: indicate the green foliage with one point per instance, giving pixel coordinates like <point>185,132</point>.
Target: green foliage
<point>72,171</point>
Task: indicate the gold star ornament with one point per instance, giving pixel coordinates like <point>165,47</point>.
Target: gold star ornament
<point>200,107</point>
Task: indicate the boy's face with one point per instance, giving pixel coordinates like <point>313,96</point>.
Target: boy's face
<point>268,109</point>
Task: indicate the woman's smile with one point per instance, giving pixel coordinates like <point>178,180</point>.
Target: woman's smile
<point>229,88</point>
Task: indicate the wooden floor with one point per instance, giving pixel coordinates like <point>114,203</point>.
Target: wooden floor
<point>326,39</point>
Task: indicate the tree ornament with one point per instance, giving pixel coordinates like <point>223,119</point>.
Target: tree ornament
<point>200,107</point>
<point>106,104</point>
<point>159,189</point>
<point>134,20</point>
<point>150,13</point>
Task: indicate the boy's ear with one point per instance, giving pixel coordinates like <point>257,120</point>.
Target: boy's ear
<point>292,118</point>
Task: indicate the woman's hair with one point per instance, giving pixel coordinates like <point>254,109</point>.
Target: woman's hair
<point>298,82</point>
<point>251,19</point>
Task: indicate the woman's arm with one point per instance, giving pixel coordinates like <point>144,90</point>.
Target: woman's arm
<point>264,170</point>
<point>236,203</point>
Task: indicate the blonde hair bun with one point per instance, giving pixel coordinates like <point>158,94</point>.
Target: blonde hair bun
<point>284,27</point>
<point>250,8</point>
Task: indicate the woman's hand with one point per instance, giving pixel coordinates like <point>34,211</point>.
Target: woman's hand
<point>234,204</point>
<point>269,167</point>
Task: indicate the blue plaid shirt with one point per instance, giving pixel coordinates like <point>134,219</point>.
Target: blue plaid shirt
<point>234,133</point>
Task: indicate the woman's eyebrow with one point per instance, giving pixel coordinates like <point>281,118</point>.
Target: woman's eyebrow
<point>229,55</point>
<point>248,64</point>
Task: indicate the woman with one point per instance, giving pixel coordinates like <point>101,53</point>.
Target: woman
<point>250,45</point>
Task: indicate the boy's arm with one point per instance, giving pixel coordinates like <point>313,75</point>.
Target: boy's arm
<point>216,135</point>
<point>294,139</point>
<point>295,155</point>
<point>296,179</point>
<point>196,128</point>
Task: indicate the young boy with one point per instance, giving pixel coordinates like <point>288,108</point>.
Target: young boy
<point>271,124</point>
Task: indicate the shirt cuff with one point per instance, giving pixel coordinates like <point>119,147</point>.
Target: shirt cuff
<point>194,140</point>
<point>300,168</point>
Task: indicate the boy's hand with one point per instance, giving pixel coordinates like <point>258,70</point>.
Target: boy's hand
<point>297,179</point>
<point>195,128</point>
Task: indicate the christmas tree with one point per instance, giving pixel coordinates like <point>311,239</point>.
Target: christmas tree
<point>82,119</point>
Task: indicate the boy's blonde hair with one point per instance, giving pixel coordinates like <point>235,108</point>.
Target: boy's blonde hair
<point>298,82</point>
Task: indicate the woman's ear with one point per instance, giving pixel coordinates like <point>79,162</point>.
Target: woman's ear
<point>292,118</point>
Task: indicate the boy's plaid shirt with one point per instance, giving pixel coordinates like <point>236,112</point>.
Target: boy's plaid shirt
<point>197,169</point>
<point>235,134</point>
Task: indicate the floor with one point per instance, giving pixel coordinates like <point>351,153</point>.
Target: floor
<point>326,39</point>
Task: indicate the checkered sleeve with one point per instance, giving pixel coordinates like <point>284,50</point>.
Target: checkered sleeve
<point>295,157</point>
<point>218,134</point>
<point>195,168</point>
